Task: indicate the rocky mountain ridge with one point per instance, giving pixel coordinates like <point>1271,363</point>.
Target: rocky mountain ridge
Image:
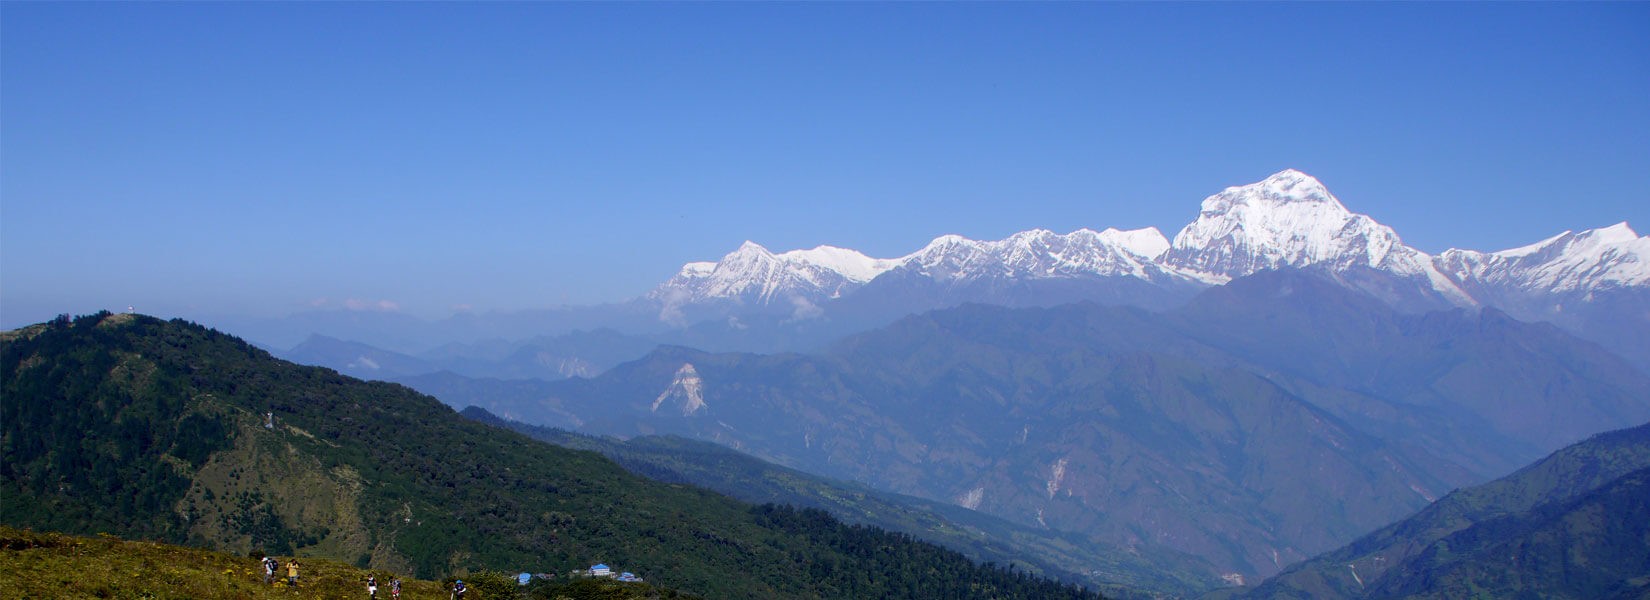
<point>1594,283</point>
<point>1287,220</point>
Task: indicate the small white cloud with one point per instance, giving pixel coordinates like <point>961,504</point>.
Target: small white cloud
<point>374,305</point>
<point>671,313</point>
<point>805,309</point>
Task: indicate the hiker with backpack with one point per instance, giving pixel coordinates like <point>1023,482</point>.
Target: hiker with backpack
<point>270,565</point>
<point>459,589</point>
<point>395,588</point>
<point>372,587</point>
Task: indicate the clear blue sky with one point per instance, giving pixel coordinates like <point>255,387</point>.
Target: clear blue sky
<point>197,158</point>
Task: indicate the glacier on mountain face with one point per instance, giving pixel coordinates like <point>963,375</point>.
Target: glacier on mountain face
<point>1288,220</point>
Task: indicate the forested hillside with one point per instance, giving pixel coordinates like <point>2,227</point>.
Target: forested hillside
<point>172,432</point>
<point>1573,525</point>
<point>1119,572</point>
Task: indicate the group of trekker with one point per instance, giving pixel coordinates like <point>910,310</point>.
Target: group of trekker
<point>272,566</point>
<point>395,587</point>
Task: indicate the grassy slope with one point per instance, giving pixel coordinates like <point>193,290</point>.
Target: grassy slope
<point>153,429</point>
<point>51,565</point>
<point>54,565</point>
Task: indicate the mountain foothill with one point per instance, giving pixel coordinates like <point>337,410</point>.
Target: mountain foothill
<point>1171,430</point>
<point>169,431</point>
<point>1283,400</point>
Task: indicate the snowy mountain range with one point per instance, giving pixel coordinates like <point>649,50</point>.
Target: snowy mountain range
<point>1595,284</point>
<point>1288,220</point>
<point>1611,257</point>
<point>754,275</point>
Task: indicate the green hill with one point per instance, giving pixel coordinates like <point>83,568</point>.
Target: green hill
<point>1573,525</point>
<point>1593,547</point>
<point>158,430</point>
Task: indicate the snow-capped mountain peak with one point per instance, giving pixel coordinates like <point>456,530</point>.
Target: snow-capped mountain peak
<point>1614,256</point>
<point>1287,220</point>
<point>1147,242</point>
<point>1040,253</point>
<point>1286,187</point>
<point>943,243</point>
<point>1592,241</point>
<point>1617,234</point>
<point>697,269</point>
<point>946,257</point>
<point>848,263</point>
<point>752,274</point>
<point>755,274</point>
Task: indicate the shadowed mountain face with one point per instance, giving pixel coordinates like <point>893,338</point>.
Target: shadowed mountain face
<point>576,354</point>
<point>170,431</point>
<point>356,359</point>
<point>1574,525</point>
<point>1480,389</point>
<point>1267,421</point>
<point>1118,572</point>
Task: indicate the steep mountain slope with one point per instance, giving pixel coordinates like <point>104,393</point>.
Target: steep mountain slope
<point>1291,220</point>
<point>153,429</point>
<point>1568,262</point>
<point>1286,220</point>
<point>803,278</point>
<point>1032,268</point>
<point>1573,525</point>
<point>1595,283</point>
<point>1596,546</point>
<point>1482,389</point>
<point>1134,449</point>
<point>356,359</point>
<point>753,274</point>
<point>755,300</point>
<point>1188,430</point>
<point>1117,572</point>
